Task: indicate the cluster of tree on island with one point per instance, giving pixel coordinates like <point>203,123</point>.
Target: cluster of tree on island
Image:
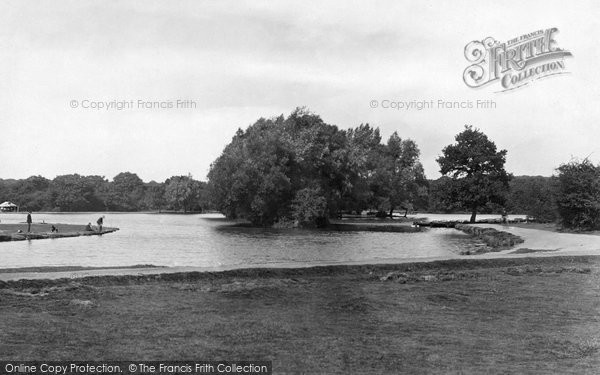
<point>299,170</point>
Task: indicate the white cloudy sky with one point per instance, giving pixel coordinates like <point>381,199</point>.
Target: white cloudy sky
<point>244,60</point>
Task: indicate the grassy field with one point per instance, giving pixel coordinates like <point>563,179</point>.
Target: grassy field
<point>528,315</point>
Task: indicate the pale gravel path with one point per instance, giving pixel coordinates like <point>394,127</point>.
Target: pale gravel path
<point>562,243</point>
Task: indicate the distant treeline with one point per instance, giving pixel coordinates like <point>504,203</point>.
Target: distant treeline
<point>534,196</point>
<point>531,195</point>
<point>126,192</point>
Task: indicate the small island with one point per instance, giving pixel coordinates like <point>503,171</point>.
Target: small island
<point>18,232</point>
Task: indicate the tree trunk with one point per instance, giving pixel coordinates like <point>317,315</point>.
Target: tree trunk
<point>473,214</point>
<point>405,212</point>
<point>391,211</point>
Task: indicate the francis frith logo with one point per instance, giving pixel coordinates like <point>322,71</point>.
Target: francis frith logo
<point>514,63</point>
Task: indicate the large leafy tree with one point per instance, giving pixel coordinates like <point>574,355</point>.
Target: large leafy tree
<point>321,159</point>
<point>300,168</point>
<point>31,193</point>
<point>183,193</point>
<point>154,199</point>
<point>126,192</point>
<point>399,179</point>
<point>252,177</point>
<point>578,195</point>
<point>284,168</point>
<point>77,193</point>
<point>364,150</point>
<point>477,170</point>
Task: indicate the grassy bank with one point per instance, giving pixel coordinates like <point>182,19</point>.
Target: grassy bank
<point>528,315</point>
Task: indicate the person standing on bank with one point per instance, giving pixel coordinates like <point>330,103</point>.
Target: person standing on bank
<point>28,221</point>
<point>100,222</point>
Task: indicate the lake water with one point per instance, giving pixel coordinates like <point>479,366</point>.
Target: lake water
<point>211,241</point>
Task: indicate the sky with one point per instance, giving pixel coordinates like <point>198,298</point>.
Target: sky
<point>233,62</point>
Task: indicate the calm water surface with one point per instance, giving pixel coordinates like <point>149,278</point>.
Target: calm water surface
<point>210,241</point>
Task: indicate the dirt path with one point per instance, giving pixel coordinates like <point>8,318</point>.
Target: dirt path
<point>556,243</point>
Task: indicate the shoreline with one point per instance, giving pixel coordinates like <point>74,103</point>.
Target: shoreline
<point>151,272</point>
<point>537,244</point>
